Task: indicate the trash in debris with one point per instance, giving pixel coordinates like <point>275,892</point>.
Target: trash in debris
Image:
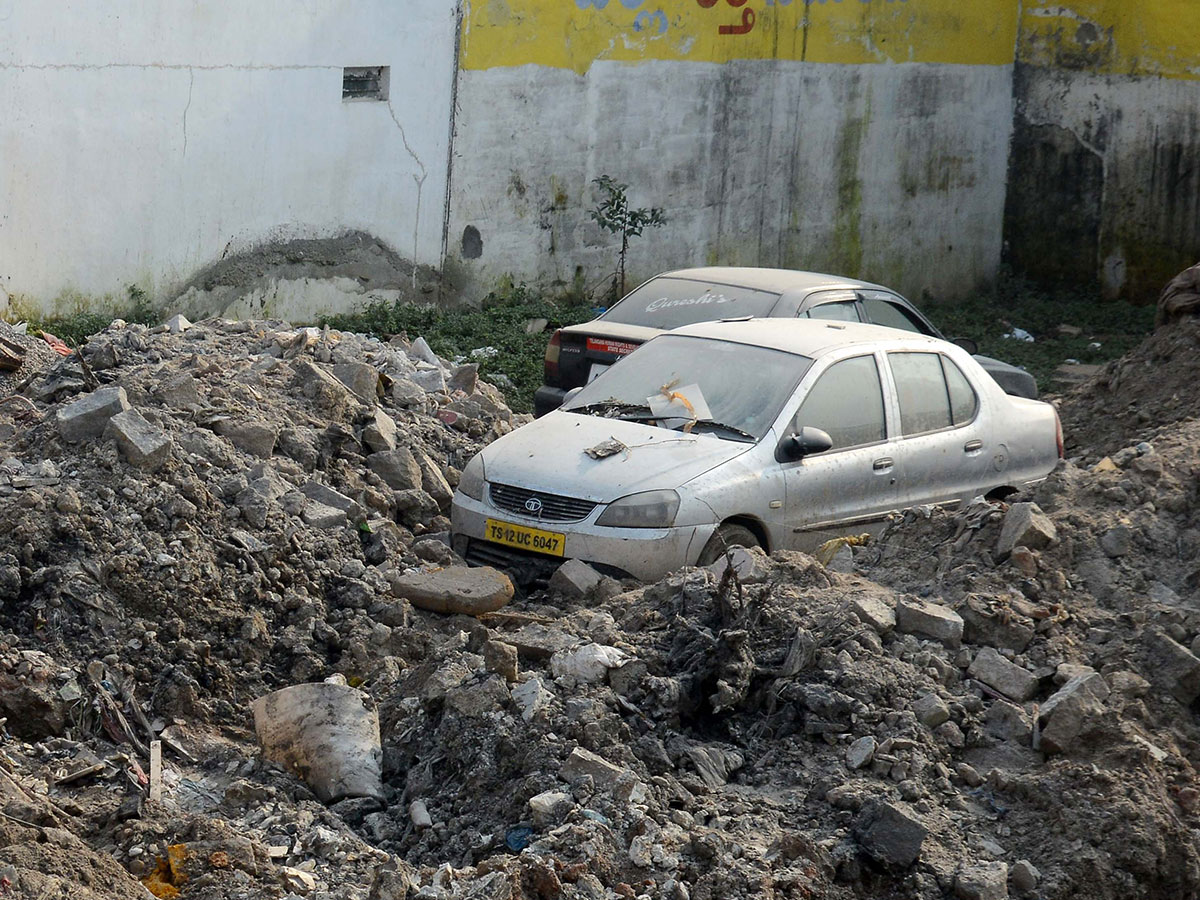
<point>605,449</point>
<point>1018,334</point>
<point>826,552</point>
<point>327,734</point>
<point>518,838</point>
<point>56,344</point>
<point>685,405</point>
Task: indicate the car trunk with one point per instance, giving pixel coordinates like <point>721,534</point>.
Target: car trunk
<point>587,350</point>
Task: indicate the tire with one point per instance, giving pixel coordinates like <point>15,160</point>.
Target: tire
<point>728,535</point>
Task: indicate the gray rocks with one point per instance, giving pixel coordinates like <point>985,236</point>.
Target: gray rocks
<point>398,468</point>
<point>874,612</point>
<point>982,881</point>
<point>1008,722</point>
<point>86,418</point>
<point>361,378</point>
<point>917,616</point>
<point>142,444</point>
<point>931,710</point>
<point>254,438</point>
<point>471,592</point>
<point>861,752</point>
<point>379,434</point>
<point>999,674</point>
<point>1070,710</point>
<point>578,582</point>
<point>1024,876</point>
<point>889,834</point>
<point>584,762</point>
<point>1171,666</point>
<point>1025,525</point>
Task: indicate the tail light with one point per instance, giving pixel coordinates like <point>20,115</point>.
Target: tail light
<point>1058,435</point>
<point>551,362</point>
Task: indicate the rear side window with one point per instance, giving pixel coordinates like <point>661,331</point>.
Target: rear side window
<point>837,312</point>
<point>892,315</point>
<point>846,402</point>
<point>933,393</point>
<point>671,302</point>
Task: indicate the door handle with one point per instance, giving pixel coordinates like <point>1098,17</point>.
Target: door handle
<point>972,446</point>
<point>883,463</point>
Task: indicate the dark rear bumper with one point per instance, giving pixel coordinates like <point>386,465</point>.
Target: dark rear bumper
<point>547,399</point>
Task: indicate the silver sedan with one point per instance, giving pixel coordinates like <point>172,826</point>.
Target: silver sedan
<point>779,433</point>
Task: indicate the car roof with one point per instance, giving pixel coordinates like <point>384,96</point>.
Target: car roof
<point>808,337</point>
<point>777,280</point>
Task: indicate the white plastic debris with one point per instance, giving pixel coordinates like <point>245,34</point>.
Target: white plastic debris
<point>588,663</point>
<point>1019,334</point>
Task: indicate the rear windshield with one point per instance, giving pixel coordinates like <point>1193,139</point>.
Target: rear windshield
<point>671,302</point>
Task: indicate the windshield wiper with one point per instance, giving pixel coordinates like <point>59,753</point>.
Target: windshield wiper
<point>736,433</point>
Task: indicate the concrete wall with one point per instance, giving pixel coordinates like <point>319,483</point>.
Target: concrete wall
<point>141,141</point>
<point>865,138</point>
<point>1104,178</point>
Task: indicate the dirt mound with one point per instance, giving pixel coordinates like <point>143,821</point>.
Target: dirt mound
<point>1137,397</point>
<point>998,701</point>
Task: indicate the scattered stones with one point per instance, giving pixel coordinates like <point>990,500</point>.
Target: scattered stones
<point>874,611</point>
<point>583,763</point>
<point>1025,525</point>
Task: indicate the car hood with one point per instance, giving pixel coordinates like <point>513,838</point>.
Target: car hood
<point>548,455</point>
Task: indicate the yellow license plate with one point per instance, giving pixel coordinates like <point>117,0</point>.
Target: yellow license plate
<point>523,538</point>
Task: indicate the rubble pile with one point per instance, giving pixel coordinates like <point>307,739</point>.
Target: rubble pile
<point>992,702</point>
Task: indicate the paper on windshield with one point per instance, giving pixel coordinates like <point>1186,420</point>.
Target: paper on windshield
<point>685,404</point>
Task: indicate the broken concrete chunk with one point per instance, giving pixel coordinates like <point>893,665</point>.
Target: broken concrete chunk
<point>407,393</point>
<point>1069,718</point>
<point>750,564</point>
<point>549,808</point>
<point>142,444</point>
<point>361,378</point>
<point>1025,525</point>
<point>998,673</point>
<point>982,881</point>
<point>1171,666</point>
<point>379,434</point>
<point>398,468</point>
<point>1008,722</point>
<point>917,616</point>
<point>584,762</point>
<point>889,834</point>
<point>715,764</point>
<point>178,324</point>
<point>931,710</point>
<point>254,438</point>
<point>421,350</point>
<point>318,515</point>
<point>531,697</point>
<point>471,592</point>
<point>578,582</point>
<point>86,418</point>
<point>1024,876</point>
<point>874,612</point>
<point>501,658</point>
<point>318,385</point>
<point>433,482</point>
<point>180,391</point>
<point>1089,683</point>
<point>994,622</point>
<point>327,496</point>
<point>537,642</point>
<point>463,378</point>
<point>861,752</point>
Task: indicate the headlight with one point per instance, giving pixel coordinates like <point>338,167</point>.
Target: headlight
<point>472,480</point>
<point>650,509</point>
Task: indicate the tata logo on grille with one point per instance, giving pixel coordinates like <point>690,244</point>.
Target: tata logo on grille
<point>533,505</point>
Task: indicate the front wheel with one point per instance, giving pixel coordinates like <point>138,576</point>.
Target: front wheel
<point>728,535</point>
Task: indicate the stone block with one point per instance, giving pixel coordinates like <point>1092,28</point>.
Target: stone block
<point>326,495</point>
<point>861,752</point>
<point>889,834</point>
<point>1088,683</point>
<point>1008,722</point>
<point>583,762</point>
<point>85,419</point>
<point>549,808</point>
<point>407,393</point>
<point>577,582</point>
<point>398,468</point>
<point>998,673</point>
<point>874,612</point>
<point>931,710</point>
<point>361,378</point>
<point>982,881</point>
<point>1171,666</point>
<point>750,564</point>
<point>471,592</point>
<point>1025,525</point>
<point>429,380</point>
<point>994,624</point>
<point>1024,876</point>
<point>531,697</point>
<point>917,616</point>
<point>433,482</point>
<point>379,434</point>
<point>501,658</point>
<point>318,515</point>
<point>142,444</point>
<point>254,438</point>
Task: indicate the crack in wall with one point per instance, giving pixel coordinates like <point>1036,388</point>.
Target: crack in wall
<point>420,182</point>
<point>191,84</point>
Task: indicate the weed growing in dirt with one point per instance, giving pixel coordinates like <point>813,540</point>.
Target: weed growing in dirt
<point>76,327</point>
<point>500,324</point>
<point>1065,324</point>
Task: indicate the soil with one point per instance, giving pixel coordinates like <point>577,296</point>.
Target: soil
<point>936,713</point>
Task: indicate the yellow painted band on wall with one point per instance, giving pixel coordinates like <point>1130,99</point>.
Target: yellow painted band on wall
<point>1113,37</point>
<point>572,34</point>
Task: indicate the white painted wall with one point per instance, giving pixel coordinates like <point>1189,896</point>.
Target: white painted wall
<point>895,173</point>
<point>142,140</point>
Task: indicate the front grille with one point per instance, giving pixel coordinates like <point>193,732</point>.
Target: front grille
<point>554,508</point>
<point>526,569</point>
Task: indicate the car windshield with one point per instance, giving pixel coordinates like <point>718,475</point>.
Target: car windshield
<point>730,390</point>
<point>667,303</point>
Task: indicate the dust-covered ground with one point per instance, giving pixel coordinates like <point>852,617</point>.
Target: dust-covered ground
<point>993,702</point>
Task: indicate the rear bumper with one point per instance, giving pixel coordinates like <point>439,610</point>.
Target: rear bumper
<point>644,553</point>
<point>547,399</point>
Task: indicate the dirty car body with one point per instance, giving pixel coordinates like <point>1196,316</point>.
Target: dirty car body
<point>790,432</point>
<point>579,353</point>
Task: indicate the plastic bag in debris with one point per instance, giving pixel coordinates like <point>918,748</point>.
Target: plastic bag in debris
<point>826,552</point>
<point>588,663</point>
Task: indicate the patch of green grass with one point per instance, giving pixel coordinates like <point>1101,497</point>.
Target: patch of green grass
<point>1117,327</point>
<point>499,323</point>
<point>76,327</point>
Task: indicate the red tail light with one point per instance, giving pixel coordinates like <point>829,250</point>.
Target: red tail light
<point>1058,435</point>
<point>551,362</point>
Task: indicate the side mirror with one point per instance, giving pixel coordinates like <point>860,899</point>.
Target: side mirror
<point>805,442</point>
<point>966,343</point>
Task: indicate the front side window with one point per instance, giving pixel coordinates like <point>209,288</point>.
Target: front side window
<point>932,391</point>
<point>837,312</point>
<point>847,403</point>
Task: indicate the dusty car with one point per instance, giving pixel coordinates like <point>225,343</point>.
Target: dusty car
<point>768,432</point>
<point>579,353</point>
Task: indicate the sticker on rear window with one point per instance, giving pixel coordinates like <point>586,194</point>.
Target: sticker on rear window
<point>604,345</point>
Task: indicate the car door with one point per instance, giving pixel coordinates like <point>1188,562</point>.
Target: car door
<point>851,487</point>
<point>945,447</point>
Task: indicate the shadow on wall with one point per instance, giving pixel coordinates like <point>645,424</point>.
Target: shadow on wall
<point>301,279</point>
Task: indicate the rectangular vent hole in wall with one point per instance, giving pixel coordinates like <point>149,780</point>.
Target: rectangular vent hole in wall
<point>365,82</point>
